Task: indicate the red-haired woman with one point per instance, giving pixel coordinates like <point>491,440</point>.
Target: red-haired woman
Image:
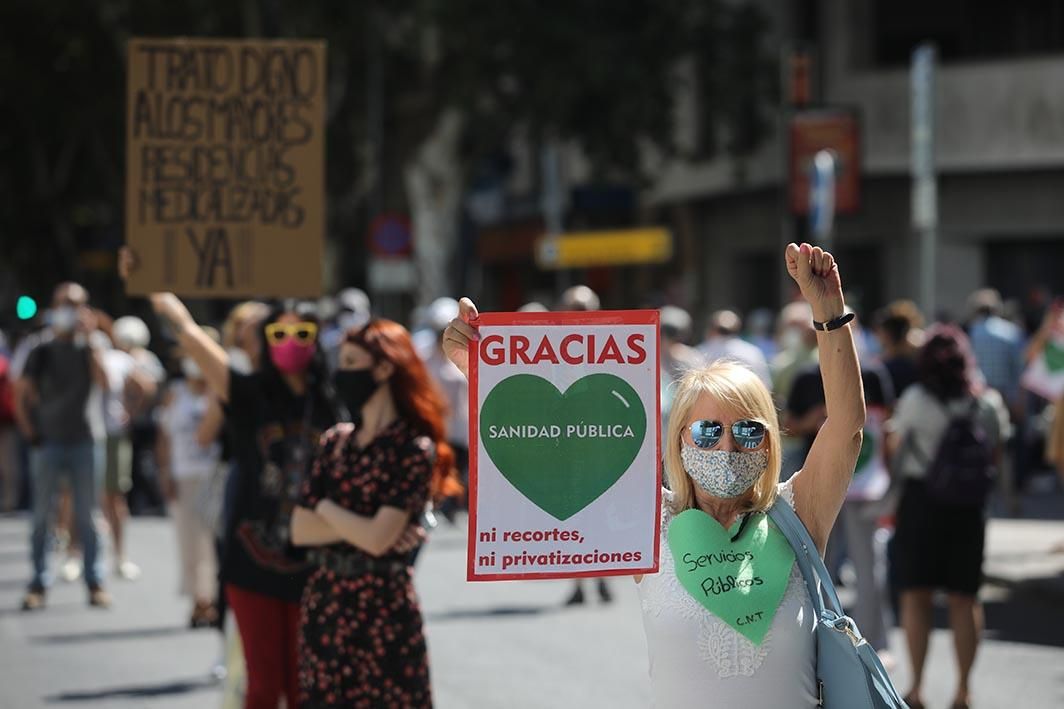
<point>362,639</point>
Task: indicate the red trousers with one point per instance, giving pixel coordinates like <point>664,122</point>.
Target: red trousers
<point>269,632</point>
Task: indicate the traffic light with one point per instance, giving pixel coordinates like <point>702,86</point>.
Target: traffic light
<point>26,308</point>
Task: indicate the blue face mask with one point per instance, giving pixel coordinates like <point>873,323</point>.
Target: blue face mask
<point>724,474</point>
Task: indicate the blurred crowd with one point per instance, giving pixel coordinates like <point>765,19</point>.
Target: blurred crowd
<point>104,414</point>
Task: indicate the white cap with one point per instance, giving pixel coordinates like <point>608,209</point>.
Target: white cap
<point>355,300</point>
<point>441,312</point>
<point>130,332</point>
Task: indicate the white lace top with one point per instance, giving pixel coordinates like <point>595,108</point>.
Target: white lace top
<point>697,660</point>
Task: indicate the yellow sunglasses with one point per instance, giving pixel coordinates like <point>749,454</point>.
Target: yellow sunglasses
<point>303,332</point>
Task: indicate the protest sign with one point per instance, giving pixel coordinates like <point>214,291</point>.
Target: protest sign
<point>225,180</point>
<point>565,474</point>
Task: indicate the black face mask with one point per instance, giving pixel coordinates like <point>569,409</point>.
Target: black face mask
<point>355,387</point>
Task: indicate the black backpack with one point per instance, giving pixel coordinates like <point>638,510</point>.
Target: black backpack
<point>962,471</point>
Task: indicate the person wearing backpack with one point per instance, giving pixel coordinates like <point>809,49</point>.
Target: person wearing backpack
<point>946,437</point>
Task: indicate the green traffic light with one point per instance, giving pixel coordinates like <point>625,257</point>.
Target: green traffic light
<point>26,308</point>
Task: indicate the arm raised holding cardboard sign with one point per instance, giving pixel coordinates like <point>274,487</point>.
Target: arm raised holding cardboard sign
<point>194,340</point>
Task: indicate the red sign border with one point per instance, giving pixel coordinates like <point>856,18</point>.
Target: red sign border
<point>602,317</point>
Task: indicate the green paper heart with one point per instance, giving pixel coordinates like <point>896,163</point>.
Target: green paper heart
<point>562,472</point>
<point>1054,357</point>
<point>740,582</point>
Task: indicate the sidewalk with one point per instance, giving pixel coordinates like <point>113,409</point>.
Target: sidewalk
<point>1026,554</point>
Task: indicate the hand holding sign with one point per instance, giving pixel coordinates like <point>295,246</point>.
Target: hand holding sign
<point>459,333</point>
<point>817,275</point>
<point>166,305</point>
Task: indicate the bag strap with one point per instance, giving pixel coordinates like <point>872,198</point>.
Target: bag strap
<point>808,558</point>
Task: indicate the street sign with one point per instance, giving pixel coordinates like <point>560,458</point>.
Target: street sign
<point>390,236</point>
<point>392,275</point>
<point>604,248</point>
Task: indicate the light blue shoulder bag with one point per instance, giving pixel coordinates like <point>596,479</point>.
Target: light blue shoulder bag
<point>848,671</point>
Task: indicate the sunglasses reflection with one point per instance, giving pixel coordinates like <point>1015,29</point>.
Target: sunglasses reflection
<point>747,434</point>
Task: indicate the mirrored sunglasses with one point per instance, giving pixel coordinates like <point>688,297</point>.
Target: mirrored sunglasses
<point>747,434</point>
<point>303,332</point>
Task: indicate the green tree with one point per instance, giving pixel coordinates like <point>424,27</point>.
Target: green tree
<point>419,90</point>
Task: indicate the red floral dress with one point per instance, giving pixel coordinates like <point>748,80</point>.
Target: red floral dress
<point>362,642</point>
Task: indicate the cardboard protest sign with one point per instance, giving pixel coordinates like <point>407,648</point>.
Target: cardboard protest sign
<point>225,179</point>
<point>1045,374</point>
<point>565,474</point>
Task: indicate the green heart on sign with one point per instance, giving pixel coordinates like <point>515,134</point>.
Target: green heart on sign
<point>562,451</point>
<point>740,582</point>
<point>1054,356</point>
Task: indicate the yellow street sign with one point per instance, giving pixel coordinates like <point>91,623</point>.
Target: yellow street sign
<point>604,248</point>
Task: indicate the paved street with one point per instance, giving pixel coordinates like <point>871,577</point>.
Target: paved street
<point>492,645</point>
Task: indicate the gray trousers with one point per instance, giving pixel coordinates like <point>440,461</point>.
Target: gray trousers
<point>859,526</point>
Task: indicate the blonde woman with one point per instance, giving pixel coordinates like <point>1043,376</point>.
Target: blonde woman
<point>723,463</point>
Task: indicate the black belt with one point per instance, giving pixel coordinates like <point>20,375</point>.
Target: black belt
<point>357,565</point>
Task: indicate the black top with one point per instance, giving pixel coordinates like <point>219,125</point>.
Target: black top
<point>903,373</point>
<point>807,391</point>
<point>274,435</point>
<point>393,470</point>
<point>61,372</point>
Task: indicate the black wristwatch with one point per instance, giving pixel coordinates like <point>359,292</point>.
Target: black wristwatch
<point>833,324</point>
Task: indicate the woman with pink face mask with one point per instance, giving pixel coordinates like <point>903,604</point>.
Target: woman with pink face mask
<point>276,416</point>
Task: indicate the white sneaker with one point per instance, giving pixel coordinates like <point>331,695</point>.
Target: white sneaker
<point>218,670</point>
<point>127,570</point>
<point>71,569</point>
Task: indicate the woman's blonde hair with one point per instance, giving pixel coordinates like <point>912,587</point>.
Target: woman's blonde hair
<point>741,392</point>
<point>240,314</point>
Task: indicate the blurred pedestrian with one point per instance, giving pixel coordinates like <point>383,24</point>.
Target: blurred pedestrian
<point>677,357</point>
<point>997,344</point>
<point>363,642</point>
<point>51,399</point>
<point>10,473</point>
<point>455,389</point>
<point>240,335</point>
<point>131,393</point>
<point>723,342</point>
<point>798,349</point>
<point>191,421</point>
<point>897,327</point>
<point>946,425</point>
<point>579,299</point>
<point>759,331</point>
<point>352,311</point>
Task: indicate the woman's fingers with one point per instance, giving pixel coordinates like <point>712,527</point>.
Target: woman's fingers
<point>467,311</point>
<point>463,328</point>
<point>127,262</point>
